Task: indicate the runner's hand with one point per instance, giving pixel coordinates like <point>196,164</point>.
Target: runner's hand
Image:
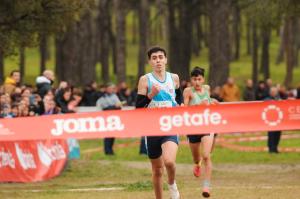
<point>154,90</point>
<point>214,101</point>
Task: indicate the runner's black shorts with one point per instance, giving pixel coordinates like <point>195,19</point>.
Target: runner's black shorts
<point>153,144</point>
<point>197,138</point>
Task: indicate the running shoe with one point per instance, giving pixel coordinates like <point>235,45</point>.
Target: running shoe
<point>205,192</point>
<point>174,193</point>
<point>197,170</point>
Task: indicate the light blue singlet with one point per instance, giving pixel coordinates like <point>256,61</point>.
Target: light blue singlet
<point>166,96</point>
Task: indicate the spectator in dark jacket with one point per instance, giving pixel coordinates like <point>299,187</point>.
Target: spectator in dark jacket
<point>63,98</point>
<point>90,94</point>
<point>261,92</point>
<point>216,94</point>
<point>249,92</point>
<point>273,136</point>
<point>122,87</point>
<point>283,94</point>
<point>44,82</point>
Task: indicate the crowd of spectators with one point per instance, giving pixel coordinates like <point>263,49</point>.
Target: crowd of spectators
<point>21,100</point>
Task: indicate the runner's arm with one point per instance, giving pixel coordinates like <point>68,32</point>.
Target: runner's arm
<point>186,96</point>
<point>176,80</point>
<point>178,91</point>
<point>213,100</point>
<point>142,98</point>
<point>179,97</point>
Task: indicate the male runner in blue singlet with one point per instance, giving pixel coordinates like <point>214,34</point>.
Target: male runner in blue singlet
<point>160,89</point>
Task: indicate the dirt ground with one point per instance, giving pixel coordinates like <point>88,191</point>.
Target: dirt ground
<point>263,181</point>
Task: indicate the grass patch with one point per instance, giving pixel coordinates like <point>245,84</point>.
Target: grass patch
<point>140,186</point>
<point>220,155</point>
<point>283,143</point>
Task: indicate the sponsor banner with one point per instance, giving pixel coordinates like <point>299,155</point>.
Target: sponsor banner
<point>31,161</point>
<point>220,118</point>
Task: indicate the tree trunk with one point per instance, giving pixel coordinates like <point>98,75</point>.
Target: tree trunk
<point>219,41</point>
<point>280,55</point>
<point>173,55</point>
<point>196,44</point>
<point>22,63</point>
<point>254,53</point>
<point>134,27</point>
<point>86,53</point>
<point>112,39</point>
<point>185,34</point>
<point>59,58</point>
<point>179,58</point>
<point>43,52</point>
<point>297,56</point>
<point>162,7</point>
<point>297,43</point>
<point>265,58</point>
<point>76,53</point>
<point>1,67</point>
<point>289,50</point>
<point>104,25</point>
<point>248,36</point>
<point>236,32</point>
<point>205,31</point>
<point>67,60</point>
<point>144,13</point>
<point>120,11</point>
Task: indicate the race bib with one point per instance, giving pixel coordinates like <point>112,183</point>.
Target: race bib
<point>160,104</point>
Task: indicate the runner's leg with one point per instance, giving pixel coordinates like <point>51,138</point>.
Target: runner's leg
<point>194,142</point>
<point>195,149</point>
<point>169,151</point>
<point>207,143</point>
<point>157,174</point>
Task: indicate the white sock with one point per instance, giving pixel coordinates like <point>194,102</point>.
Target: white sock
<point>173,186</point>
<point>206,183</point>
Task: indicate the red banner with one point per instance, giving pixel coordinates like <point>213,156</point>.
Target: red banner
<point>30,161</point>
<point>221,118</point>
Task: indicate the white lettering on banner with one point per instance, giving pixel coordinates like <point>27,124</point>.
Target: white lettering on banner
<point>294,112</point>
<point>6,159</point>
<point>294,109</point>
<point>91,125</point>
<point>48,155</point>
<point>198,119</point>
<point>5,131</point>
<point>25,158</point>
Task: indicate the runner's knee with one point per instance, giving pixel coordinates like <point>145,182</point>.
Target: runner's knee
<point>169,164</point>
<point>206,157</point>
<point>157,172</point>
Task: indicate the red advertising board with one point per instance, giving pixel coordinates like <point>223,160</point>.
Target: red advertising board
<point>220,118</point>
<point>31,161</point>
